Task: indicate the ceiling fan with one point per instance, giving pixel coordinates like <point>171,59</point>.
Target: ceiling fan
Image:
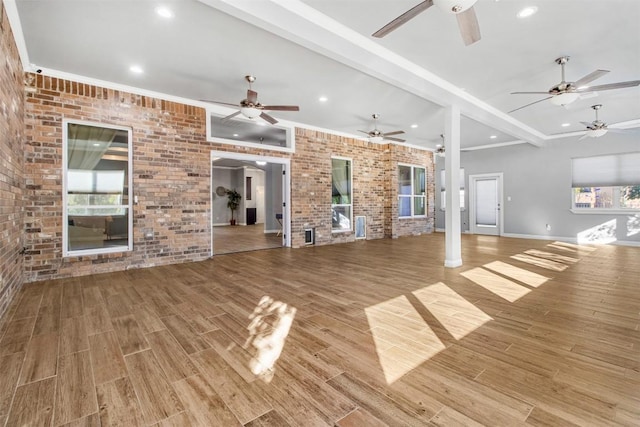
<point>376,136</point>
<point>440,147</point>
<point>565,93</point>
<point>463,9</point>
<point>251,108</point>
<point>597,128</point>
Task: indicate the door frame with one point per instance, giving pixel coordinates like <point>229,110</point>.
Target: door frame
<point>472,201</point>
<point>286,190</point>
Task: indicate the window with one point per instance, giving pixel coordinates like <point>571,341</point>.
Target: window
<point>411,191</point>
<point>443,192</point>
<point>245,132</point>
<point>606,183</point>
<point>96,189</point>
<point>341,202</point>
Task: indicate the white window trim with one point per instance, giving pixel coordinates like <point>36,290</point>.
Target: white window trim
<point>412,195</point>
<point>290,129</point>
<point>333,231</point>
<point>603,211</point>
<point>65,216</point>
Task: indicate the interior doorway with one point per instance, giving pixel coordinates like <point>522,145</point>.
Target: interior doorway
<point>485,204</point>
<point>260,218</point>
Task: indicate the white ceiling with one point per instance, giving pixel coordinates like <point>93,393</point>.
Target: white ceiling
<point>300,50</point>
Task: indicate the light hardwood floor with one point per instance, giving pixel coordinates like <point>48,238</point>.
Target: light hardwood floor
<point>241,238</point>
<point>525,333</point>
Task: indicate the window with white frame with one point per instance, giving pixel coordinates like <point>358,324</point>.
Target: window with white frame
<point>341,200</point>
<point>443,191</point>
<point>96,189</point>
<point>605,183</point>
<point>411,191</point>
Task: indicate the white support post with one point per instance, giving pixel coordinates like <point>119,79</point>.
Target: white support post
<point>453,252</point>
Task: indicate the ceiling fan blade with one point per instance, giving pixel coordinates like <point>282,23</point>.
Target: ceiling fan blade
<point>396,132</point>
<point>400,20</point>
<point>530,93</point>
<point>268,118</point>
<point>218,102</point>
<point>610,86</point>
<point>590,77</point>
<point>587,123</point>
<point>534,102</point>
<point>252,96</point>
<point>230,116</point>
<point>627,131</point>
<point>586,135</point>
<point>281,107</point>
<point>367,133</point>
<point>469,28</point>
<point>394,139</point>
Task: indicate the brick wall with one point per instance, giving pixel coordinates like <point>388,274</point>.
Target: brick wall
<point>11,165</point>
<point>375,183</point>
<point>171,178</point>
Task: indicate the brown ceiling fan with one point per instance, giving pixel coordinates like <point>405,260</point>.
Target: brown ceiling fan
<point>377,136</point>
<point>251,108</point>
<point>565,93</point>
<point>463,9</point>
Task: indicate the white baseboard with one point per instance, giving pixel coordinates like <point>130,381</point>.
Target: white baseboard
<point>559,238</point>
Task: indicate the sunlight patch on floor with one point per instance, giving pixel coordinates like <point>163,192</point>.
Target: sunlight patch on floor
<point>553,257</point>
<point>503,287</point>
<point>539,262</point>
<point>270,324</point>
<point>601,233</point>
<point>574,246</point>
<point>457,315</point>
<point>520,274</point>
<point>403,342</point>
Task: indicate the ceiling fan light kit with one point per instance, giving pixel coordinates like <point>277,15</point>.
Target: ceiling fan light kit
<point>251,108</point>
<point>565,98</point>
<point>564,93</point>
<point>378,137</point>
<point>454,6</point>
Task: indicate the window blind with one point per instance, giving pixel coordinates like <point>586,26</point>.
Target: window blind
<point>443,183</point>
<point>606,171</point>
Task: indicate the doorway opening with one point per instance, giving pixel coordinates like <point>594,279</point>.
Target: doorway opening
<point>260,218</point>
<point>485,204</point>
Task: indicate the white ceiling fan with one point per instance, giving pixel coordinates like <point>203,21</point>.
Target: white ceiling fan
<point>598,128</point>
<point>463,9</point>
<point>251,108</point>
<point>377,136</point>
<point>565,92</point>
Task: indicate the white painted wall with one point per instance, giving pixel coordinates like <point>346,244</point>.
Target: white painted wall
<point>538,181</point>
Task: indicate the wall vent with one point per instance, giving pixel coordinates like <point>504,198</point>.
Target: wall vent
<point>309,236</point>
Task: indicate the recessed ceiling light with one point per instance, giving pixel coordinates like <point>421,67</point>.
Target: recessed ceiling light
<point>136,69</point>
<point>493,136</point>
<point>96,144</point>
<point>165,12</point>
<point>527,12</point>
<point>414,126</point>
<point>260,163</point>
<point>323,99</point>
<point>566,125</point>
<point>236,135</point>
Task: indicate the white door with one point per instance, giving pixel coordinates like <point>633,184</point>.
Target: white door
<point>485,200</point>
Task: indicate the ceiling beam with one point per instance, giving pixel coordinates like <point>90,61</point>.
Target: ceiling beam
<point>295,21</point>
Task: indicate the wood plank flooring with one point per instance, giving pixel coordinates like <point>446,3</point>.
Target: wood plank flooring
<point>242,238</point>
<point>370,333</point>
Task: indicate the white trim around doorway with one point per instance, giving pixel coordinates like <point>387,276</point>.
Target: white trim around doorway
<point>286,196</point>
